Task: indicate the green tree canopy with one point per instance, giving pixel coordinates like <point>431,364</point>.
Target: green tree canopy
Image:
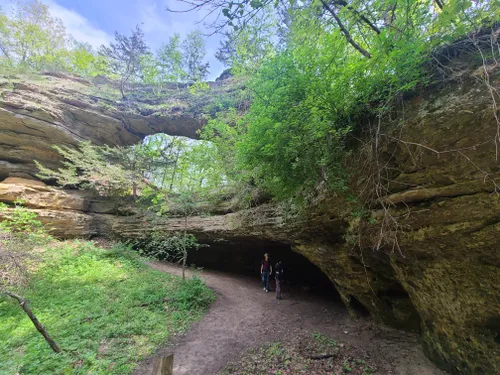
<point>340,63</point>
<point>124,55</point>
<point>31,37</point>
<point>169,57</point>
<point>193,53</point>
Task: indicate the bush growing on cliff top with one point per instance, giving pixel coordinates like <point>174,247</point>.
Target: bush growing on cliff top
<point>340,63</point>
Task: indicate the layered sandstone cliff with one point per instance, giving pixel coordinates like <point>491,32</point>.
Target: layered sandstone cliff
<point>36,114</point>
<point>443,278</point>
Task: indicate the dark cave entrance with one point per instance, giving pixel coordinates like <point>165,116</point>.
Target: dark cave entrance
<point>244,256</point>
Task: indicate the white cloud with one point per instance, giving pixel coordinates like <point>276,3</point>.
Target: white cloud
<point>158,24</point>
<point>78,26</point>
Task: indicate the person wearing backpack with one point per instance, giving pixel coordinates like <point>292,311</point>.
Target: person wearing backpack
<point>278,274</point>
<point>265,271</point>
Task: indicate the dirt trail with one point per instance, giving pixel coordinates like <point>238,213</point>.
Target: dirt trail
<point>244,316</point>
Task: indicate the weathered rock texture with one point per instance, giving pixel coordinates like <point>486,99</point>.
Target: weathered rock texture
<point>443,279</point>
<point>62,110</point>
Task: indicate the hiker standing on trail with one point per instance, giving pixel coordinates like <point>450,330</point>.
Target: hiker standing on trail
<point>278,275</point>
<point>265,271</point>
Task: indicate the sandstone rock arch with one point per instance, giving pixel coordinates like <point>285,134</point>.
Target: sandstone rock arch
<point>58,110</point>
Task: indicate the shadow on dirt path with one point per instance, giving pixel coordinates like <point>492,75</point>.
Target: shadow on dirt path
<point>244,316</point>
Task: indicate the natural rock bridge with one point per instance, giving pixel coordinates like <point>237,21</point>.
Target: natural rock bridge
<point>445,280</point>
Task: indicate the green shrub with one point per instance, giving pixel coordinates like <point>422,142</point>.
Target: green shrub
<point>192,294</point>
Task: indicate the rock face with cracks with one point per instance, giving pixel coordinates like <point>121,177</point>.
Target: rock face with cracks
<point>443,276</point>
<point>57,109</point>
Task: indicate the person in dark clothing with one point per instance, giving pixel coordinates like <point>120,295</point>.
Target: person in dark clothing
<point>278,274</point>
<point>265,271</point>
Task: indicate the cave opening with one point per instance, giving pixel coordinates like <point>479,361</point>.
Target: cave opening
<point>244,257</point>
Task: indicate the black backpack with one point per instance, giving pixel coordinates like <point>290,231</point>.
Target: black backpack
<point>278,269</point>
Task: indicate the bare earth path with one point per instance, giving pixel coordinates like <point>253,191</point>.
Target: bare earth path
<point>244,316</point>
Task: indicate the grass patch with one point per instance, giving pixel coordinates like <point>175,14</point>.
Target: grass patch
<point>303,354</point>
<point>104,308</point>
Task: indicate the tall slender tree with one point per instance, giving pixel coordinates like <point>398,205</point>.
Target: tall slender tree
<point>194,51</point>
<point>125,55</point>
<point>169,58</point>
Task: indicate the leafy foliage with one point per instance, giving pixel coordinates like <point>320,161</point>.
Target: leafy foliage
<point>199,87</point>
<point>31,38</point>
<point>103,306</point>
<point>20,233</point>
<point>177,62</point>
<point>151,74</point>
<point>170,60</point>
<point>125,55</point>
<point>108,171</point>
<point>224,131</point>
<point>245,48</point>
<point>20,220</point>
<point>192,295</point>
<point>195,165</point>
<point>313,72</point>
<point>169,247</point>
<point>342,63</point>
<point>86,62</point>
<point>194,51</point>
<point>173,247</point>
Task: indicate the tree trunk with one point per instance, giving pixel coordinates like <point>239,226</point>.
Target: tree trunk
<point>124,79</point>
<point>24,303</point>
<point>121,89</point>
<point>5,52</point>
<point>175,169</point>
<point>184,256</point>
<point>184,249</point>
<point>164,365</point>
<point>361,16</point>
<point>134,190</point>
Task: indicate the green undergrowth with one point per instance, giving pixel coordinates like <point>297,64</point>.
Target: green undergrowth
<point>303,353</point>
<point>105,309</point>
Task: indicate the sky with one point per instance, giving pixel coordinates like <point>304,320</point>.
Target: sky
<point>95,22</point>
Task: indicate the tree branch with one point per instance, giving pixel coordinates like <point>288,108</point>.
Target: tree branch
<point>361,16</point>
<point>439,4</point>
<point>24,303</point>
<point>323,356</point>
<point>345,31</point>
<point>5,51</point>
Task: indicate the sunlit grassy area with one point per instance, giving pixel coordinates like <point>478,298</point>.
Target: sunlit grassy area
<point>105,309</point>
